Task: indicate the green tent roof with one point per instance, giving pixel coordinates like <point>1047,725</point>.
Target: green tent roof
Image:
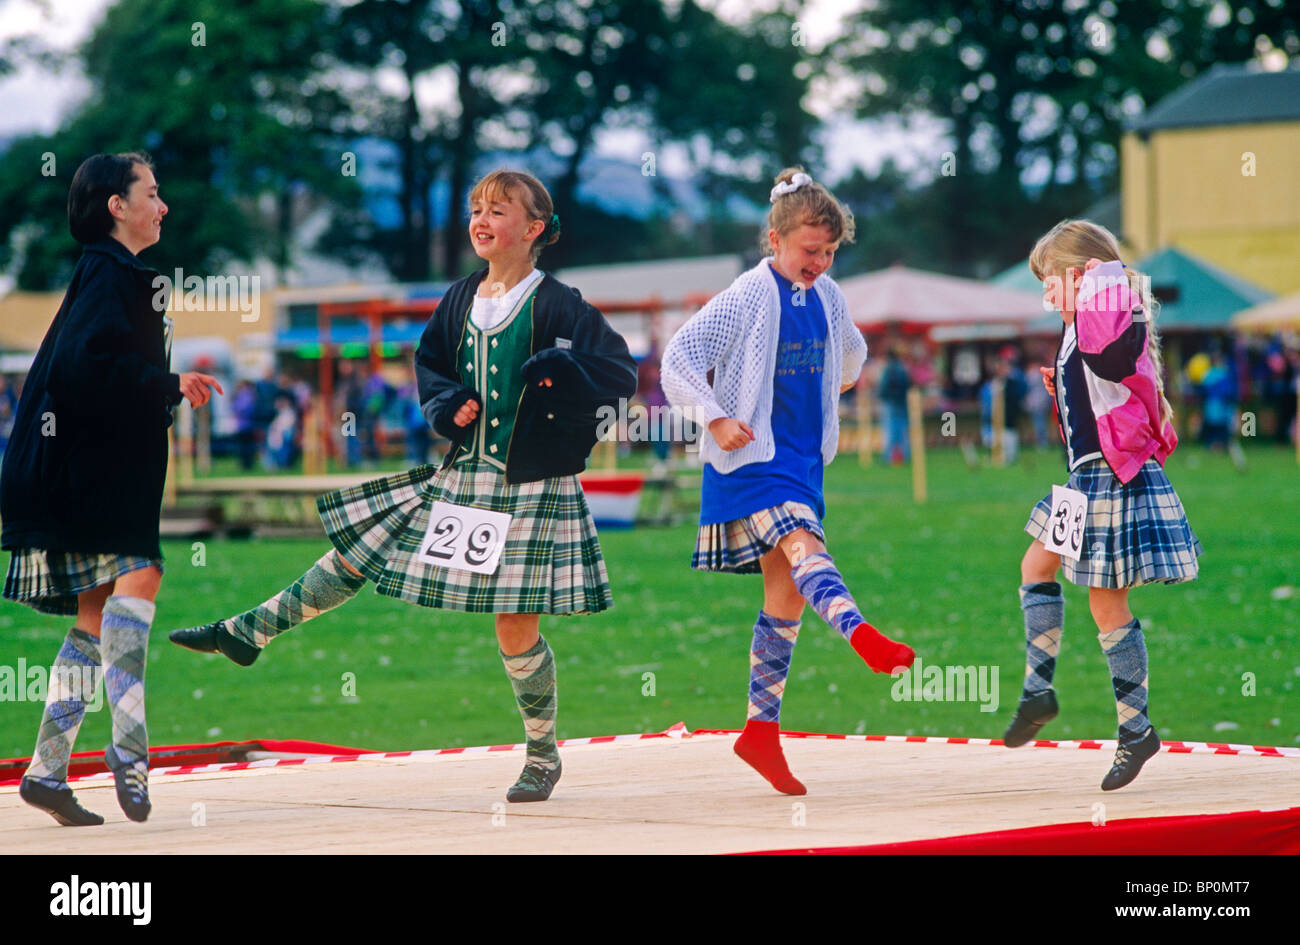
<point>1194,293</point>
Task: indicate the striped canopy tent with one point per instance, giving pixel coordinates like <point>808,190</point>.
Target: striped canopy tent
<point>923,302</point>
<point>1275,315</point>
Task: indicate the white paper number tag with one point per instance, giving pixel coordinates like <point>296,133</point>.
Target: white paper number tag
<point>464,538</point>
<point>1065,527</point>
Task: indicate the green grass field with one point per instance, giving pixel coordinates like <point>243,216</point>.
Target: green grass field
<point>941,576</point>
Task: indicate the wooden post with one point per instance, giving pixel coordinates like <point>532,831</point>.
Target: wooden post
<point>999,422</point>
<point>203,417</point>
<point>169,484</point>
<point>312,455</point>
<point>864,424</point>
<point>916,430</point>
<point>185,442</point>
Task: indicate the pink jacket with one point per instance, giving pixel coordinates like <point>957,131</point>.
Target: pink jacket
<point>1122,384</point>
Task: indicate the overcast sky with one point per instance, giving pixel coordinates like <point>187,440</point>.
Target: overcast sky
<point>34,100</point>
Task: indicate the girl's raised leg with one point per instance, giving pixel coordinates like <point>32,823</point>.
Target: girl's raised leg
<point>819,582</point>
<point>331,582</point>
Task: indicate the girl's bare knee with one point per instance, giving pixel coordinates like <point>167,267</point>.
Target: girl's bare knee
<point>1038,565</point>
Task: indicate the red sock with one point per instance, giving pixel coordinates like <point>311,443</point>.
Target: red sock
<point>759,745</point>
<point>882,654</point>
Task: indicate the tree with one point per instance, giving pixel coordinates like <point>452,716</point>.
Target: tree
<point>226,102</point>
<point>1037,93</point>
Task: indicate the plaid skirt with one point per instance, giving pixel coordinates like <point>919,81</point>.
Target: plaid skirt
<point>1134,534</point>
<point>49,581</point>
<point>737,545</point>
<point>550,562</point>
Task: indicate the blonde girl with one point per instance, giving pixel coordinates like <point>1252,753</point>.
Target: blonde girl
<point>1115,421</point>
<point>782,348</point>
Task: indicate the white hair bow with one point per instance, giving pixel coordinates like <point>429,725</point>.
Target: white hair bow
<point>799,180</point>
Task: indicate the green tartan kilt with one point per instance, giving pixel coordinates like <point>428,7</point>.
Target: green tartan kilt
<point>550,564</point>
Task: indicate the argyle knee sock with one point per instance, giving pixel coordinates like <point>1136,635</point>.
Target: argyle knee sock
<point>1126,655</point>
<point>73,679</point>
<point>769,664</point>
<point>328,584</point>
<point>820,583</point>
<point>532,674</point>
<point>759,745</point>
<point>1044,609</point>
<point>124,639</point>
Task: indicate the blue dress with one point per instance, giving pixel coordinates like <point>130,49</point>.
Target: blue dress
<point>794,473</point>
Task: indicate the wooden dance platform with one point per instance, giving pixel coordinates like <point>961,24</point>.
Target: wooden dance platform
<point>674,792</point>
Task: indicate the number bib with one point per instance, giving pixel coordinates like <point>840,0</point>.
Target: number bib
<point>464,538</point>
<point>1065,527</point>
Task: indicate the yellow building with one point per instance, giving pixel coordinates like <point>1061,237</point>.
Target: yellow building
<point>1214,169</point>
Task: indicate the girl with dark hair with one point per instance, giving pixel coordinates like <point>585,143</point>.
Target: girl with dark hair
<point>82,480</point>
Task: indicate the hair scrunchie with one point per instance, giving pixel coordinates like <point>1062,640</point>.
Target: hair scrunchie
<point>552,228</point>
<point>788,187</point>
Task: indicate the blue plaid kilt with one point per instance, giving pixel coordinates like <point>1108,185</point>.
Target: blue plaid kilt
<point>1135,533</point>
<point>49,581</point>
<point>737,545</point>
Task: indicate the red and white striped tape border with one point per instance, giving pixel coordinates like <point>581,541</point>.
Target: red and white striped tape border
<point>680,731</point>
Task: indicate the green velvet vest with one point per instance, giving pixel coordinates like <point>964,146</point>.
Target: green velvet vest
<point>489,361</point>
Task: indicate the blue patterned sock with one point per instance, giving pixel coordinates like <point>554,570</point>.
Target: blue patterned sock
<point>73,679</point>
<point>769,664</point>
<point>1126,654</point>
<point>1044,609</point>
<point>821,585</point>
<point>124,638</point>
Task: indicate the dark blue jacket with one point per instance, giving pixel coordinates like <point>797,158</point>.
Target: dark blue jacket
<point>556,426</point>
<point>85,467</point>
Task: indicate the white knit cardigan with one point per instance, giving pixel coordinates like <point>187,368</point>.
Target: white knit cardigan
<point>736,336</point>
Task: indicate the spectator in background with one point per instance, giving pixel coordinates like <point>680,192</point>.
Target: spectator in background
<point>1006,373</point>
<point>416,426</point>
<point>8,403</point>
<point>351,401</point>
<point>375,397</point>
<point>244,406</point>
<point>1038,405</point>
<point>1280,388</point>
<point>652,395</point>
<point>1219,395</point>
<point>895,382</point>
<point>281,435</point>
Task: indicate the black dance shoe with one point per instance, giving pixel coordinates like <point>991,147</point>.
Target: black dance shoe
<point>59,803</point>
<point>215,638</point>
<point>1129,759</point>
<point>534,784</point>
<point>1031,715</point>
<point>132,778</point>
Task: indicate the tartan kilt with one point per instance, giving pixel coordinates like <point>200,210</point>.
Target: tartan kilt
<point>550,563</point>
<point>737,545</point>
<point>1134,534</point>
<point>49,581</point>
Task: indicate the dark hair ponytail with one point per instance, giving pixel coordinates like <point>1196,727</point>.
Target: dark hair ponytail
<point>97,179</point>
